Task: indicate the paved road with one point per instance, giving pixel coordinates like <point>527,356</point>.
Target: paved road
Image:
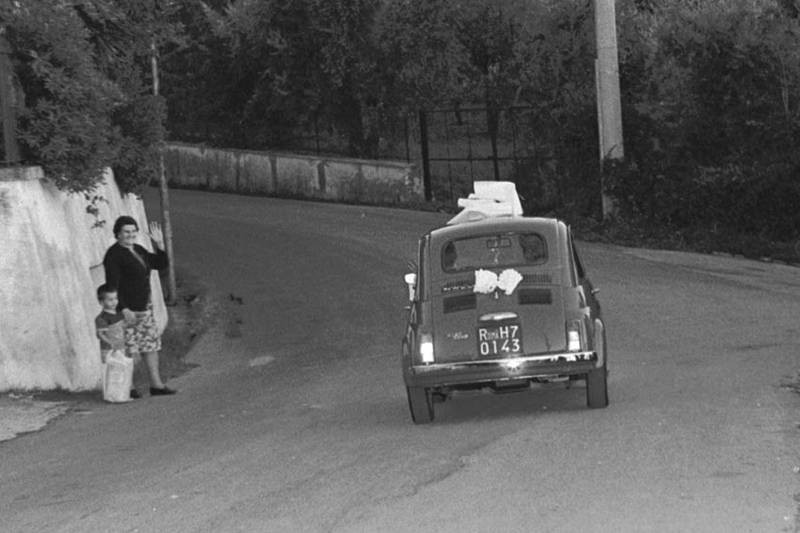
<point>300,423</point>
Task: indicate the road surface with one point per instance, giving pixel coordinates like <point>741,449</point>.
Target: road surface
<point>296,418</point>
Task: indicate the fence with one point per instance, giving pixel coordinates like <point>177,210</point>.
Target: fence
<point>554,169</point>
<point>462,145</point>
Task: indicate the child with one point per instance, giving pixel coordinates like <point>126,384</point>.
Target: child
<point>110,325</point>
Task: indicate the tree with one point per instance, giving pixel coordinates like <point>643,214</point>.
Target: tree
<point>83,69</point>
<point>422,61</point>
<point>199,85</point>
<point>126,35</point>
<point>554,59</point>
<point>287,66</point>
<point>712,117</point>
<point>65,124</point>
<point>131,33</point>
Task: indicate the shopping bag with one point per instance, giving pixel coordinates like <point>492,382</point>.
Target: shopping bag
<point>117,377</point>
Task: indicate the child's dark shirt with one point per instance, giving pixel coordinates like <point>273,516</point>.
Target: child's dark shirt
<point>104,322</point>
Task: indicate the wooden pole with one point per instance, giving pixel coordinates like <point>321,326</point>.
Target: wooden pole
<point>426,164</point>
<point>172,285</point>
<point>609,106</point>
<point>8,103</point>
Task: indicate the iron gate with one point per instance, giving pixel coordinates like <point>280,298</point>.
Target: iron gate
<point>462,144</point>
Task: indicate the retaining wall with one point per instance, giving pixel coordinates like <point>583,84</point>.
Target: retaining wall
<point>292,175</point>
<point>51,254</point>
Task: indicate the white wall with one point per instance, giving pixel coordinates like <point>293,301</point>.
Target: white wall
<point>51,255</point>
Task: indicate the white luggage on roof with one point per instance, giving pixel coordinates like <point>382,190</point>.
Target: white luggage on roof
<point>490,199</point>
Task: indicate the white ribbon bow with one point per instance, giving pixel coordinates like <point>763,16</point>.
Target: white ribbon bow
<point>486,281</point>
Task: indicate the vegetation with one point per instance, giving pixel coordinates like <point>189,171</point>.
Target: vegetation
<point>82,72</point>
<point>712,111</point>
<point>711,94</point>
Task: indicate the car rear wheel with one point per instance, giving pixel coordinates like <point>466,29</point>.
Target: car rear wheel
<point>597,388</point>
<point>420,403</point>
<point>597,379</point>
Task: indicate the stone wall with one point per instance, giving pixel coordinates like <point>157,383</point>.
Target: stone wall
<point>51,253</point>
<point>292,175</point>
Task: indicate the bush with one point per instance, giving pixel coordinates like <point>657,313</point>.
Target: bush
<point>81,69</point>
<point>65,123</point>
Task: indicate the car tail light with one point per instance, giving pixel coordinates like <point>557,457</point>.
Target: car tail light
<point>426,347</point>
<point>574,334</point>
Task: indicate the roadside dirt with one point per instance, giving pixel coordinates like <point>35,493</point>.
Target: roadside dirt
<point>792,383</point>
<point>193,313</point>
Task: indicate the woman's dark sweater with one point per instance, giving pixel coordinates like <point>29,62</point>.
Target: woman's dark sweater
<point>130,276</point>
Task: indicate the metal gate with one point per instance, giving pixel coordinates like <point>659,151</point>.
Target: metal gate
<point>462,144</point>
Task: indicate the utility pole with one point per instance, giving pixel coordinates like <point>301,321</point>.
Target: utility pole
<point>609,107</point>
<point>172,285</point>
<point>426,163</point>
<point>8,103</point>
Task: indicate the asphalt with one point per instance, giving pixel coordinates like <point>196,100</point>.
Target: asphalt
<point>296,419</point>
<point>21,412</point>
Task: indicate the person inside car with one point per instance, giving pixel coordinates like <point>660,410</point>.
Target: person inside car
<point>449,256</point>
<point>532,248</point>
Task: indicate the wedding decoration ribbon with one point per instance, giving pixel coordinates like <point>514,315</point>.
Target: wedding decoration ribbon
<point>486,281</point>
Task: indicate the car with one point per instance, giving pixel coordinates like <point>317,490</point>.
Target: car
<point>499,301</point>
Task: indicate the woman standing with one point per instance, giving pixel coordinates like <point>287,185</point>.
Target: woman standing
<point>128,267</point>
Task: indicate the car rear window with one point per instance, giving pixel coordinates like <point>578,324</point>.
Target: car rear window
<point>494,251</point>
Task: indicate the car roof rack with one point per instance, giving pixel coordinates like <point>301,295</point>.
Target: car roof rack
<point>490,199</point>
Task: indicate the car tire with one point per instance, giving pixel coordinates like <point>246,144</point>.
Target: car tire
<point>597,379</point>
<point>597,388</point>
<point>420,403</point>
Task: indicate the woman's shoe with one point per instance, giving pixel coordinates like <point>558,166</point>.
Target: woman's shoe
<point>135,394</point>
<point>154,391</point>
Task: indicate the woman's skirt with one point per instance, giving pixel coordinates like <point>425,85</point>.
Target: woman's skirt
<point>142,336</point>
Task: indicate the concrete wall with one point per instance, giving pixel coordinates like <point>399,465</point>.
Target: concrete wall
<point>291,175</point>
<point>51,254</point>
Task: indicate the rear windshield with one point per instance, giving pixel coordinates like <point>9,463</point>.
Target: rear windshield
<point>494,251</point>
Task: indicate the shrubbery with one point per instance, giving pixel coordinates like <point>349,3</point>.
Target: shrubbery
<point>81,69</point>
<point>711,117</point>
<point>711,94</point>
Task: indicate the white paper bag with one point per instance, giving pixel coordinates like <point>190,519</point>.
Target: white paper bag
<point>117,377</point>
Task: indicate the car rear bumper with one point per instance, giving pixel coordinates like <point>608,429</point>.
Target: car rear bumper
<point>525,367</point>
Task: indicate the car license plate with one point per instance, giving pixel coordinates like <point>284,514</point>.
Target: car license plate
<point>499,341</point>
